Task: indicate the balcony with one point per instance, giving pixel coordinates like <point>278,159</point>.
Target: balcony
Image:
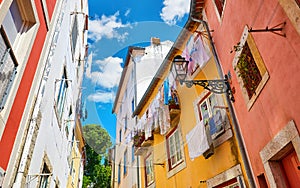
<point>141,144</point>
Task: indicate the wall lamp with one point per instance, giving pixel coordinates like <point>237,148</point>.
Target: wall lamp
<point>218,86</point>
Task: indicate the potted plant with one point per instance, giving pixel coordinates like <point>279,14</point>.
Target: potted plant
<point>138,138</point>
<point>247,69</point>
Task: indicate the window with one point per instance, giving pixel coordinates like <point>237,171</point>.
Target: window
<point>262,181</point>
<point>229,184</point>
<point>119,173</point>
<point>125,163</point>
<point>220,6</point>
<point>45,177</point>
<point>132,153</point>
<point>298,3</point>
<point>212,111</point>
<point>149,170</point>
<point>132,105</point>
<point>14,32</point>
<point>8,68</point>
<point>13,23</point>
<point>71,168</point>
<point>174,149</point>
<point>230,178</point>
<point>68,122</point>
<point>61,98</point>
<point>74,33</point>
<point>120,135</point>
<point>250,69</point>
<point>125,123</point>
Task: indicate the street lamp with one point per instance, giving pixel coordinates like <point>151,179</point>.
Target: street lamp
<point>218,86</point>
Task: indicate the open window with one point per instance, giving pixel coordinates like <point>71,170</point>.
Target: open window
<point>213,113</point>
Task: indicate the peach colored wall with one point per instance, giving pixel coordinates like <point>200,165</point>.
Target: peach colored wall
<point>279,101</point>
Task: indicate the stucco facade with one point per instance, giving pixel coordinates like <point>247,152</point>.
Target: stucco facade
<point>140,67</point>
<point>268,119</point>
<point>40,113</point>
<point>171,150</point>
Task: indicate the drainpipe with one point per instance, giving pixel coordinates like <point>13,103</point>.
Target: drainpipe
<point>236,130</point>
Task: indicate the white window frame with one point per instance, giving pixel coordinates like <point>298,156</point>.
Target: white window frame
<point>149,170</point>
<point>45,173</point>
<point>44,177</point>
<point>225,133</point>
<point>180,163</point>
<point>22,46</point>
<point>214,104</point>
<point>220,17</point>
<point>62,94</point>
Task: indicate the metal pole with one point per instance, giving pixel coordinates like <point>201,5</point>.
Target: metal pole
<point>231,110</point>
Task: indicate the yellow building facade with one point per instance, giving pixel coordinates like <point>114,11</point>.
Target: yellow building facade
<point>76,158</point>
<point>199,147</point>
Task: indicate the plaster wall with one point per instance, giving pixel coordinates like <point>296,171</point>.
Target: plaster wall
<point>277,103</point>
<point>51,138</point>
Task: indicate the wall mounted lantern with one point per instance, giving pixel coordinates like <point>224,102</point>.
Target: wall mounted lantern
<point>218,86</point>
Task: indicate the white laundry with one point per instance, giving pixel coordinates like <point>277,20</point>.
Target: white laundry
<point>197,141</point>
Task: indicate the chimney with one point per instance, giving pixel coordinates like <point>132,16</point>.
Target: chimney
<point>155,41</point>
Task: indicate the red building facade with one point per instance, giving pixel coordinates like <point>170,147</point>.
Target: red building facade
<point>258,42</point>
<point>24,26</point>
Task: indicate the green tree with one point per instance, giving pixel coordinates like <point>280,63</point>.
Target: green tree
<point>97,170</point>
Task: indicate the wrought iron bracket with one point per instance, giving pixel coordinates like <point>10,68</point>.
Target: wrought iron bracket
<point>277,29</point>
<point>218,86</point>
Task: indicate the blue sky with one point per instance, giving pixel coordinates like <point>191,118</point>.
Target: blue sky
<point>113,26</point>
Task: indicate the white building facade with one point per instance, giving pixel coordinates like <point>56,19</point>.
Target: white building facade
<point>46,159</point>
<point>139,69</point>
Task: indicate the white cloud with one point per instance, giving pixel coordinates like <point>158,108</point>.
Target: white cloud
<point>107,26</point>
<point>127,12</point>
<point>109,72</point>
<point>103,97</point>
<point>89,65</point>
<point>174,10</point>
